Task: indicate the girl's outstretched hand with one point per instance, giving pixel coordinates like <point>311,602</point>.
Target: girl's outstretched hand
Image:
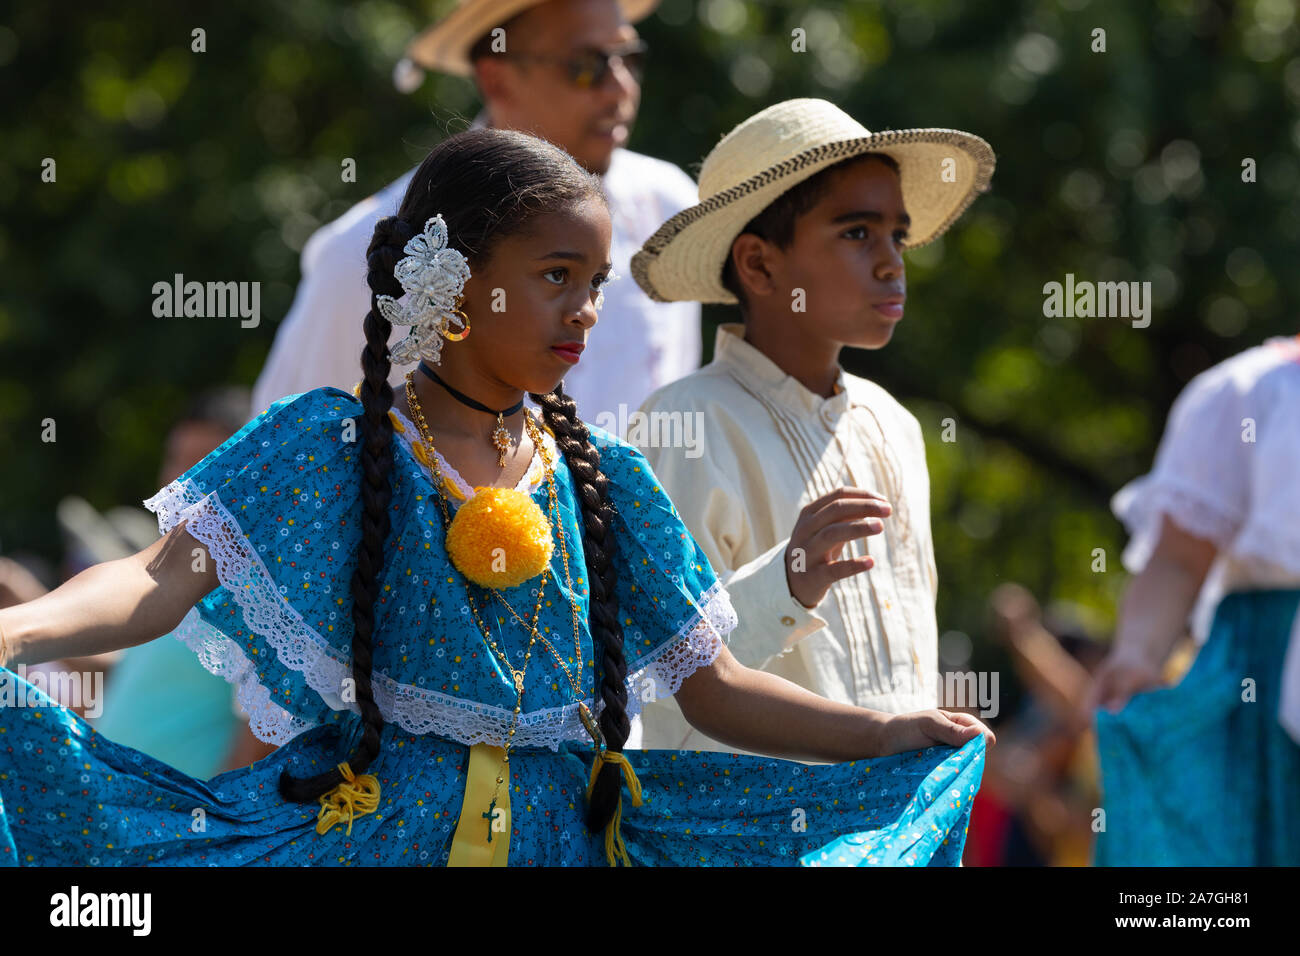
<point>925,728</point>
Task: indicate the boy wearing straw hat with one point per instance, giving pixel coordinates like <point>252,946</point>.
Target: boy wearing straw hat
<point>802,219</point>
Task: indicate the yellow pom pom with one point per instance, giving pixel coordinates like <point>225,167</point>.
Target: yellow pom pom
<point>500,538</point>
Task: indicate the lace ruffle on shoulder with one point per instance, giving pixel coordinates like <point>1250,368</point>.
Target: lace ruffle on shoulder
<point>416,710</point>
<point>1223,471</point>
<point>1143,503</point>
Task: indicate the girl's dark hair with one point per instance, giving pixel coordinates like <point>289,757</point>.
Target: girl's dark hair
<point>487,184</point>
<point>776,222</point>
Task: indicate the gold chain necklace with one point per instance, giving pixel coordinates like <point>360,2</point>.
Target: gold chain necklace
<point>530,627</point>
<point>535,434</point>
<point>584,712</point>
<point>588,720</point>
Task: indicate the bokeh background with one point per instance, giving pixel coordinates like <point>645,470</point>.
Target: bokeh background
<point>1122,165</point>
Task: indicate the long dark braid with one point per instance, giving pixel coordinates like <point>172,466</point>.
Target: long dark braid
<point>385,249</point>
<point>599,548</point>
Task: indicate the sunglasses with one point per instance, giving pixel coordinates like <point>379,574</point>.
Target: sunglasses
<point>588,68</point>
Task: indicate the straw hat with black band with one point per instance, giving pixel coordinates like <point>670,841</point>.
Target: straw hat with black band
<point>776,149</point>
<point>444,47</point>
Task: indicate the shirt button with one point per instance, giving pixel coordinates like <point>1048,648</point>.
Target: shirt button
<point>788,621</point>
<point>828,417</point>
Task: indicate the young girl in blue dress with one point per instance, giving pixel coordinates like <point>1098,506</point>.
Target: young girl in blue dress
<point>449,655</point>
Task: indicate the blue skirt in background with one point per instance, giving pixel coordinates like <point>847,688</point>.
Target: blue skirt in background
<point>1195,775</point>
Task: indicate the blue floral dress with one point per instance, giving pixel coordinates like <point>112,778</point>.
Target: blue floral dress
<point>277,507</point>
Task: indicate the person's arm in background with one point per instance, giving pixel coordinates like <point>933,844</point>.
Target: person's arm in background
<point>1153,616</point>
<point>17,584</point>
<point>111,605</point>
<point>1047,669</point>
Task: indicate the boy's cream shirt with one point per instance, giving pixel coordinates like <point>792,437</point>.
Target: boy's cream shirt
<point>755,446</point>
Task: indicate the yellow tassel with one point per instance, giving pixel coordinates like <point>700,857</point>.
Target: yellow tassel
<point>355,797</point>
<point>614,846</point>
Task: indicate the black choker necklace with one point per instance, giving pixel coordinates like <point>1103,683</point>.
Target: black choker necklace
<point>501,439</point>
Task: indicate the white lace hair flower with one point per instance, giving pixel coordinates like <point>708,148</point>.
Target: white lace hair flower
<point>432,276</point>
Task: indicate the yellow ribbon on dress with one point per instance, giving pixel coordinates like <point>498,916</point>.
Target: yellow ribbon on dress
<point>355,797</point>
<point>479,840</point>
<point>613,836</point>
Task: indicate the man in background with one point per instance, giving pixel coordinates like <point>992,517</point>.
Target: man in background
<point>568,71</point>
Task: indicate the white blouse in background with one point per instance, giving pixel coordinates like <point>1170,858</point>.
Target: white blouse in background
<point>767,447</point>
<point>636,346</point>
<point>1228,470</point>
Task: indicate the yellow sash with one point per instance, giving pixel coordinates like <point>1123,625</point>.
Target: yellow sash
<point>470,845</point>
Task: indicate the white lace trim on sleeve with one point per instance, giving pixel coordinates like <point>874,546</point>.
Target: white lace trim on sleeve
<point>1141,504</point>
<point>698,643</point>
<point>415,709</point>
<point>223,657</point>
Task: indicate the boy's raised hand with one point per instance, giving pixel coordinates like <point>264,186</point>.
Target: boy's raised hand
<point>822,529</point>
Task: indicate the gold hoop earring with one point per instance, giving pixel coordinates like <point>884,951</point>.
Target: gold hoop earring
<point>464,321</point>
<point>457,336</point>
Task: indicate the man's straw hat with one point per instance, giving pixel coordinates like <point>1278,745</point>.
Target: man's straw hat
<point>444,47</point>
<point>776,149</point>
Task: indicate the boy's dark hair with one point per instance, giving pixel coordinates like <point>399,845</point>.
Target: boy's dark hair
<point>776,222</point>
<point>487,184</point>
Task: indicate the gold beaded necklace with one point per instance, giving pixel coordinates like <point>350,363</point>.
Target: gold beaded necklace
<point>534,434</point>
<point>554,511</point>
<point>517,675</point>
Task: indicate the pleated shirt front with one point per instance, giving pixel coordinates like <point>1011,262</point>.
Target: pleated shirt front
<point>741,447</point>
